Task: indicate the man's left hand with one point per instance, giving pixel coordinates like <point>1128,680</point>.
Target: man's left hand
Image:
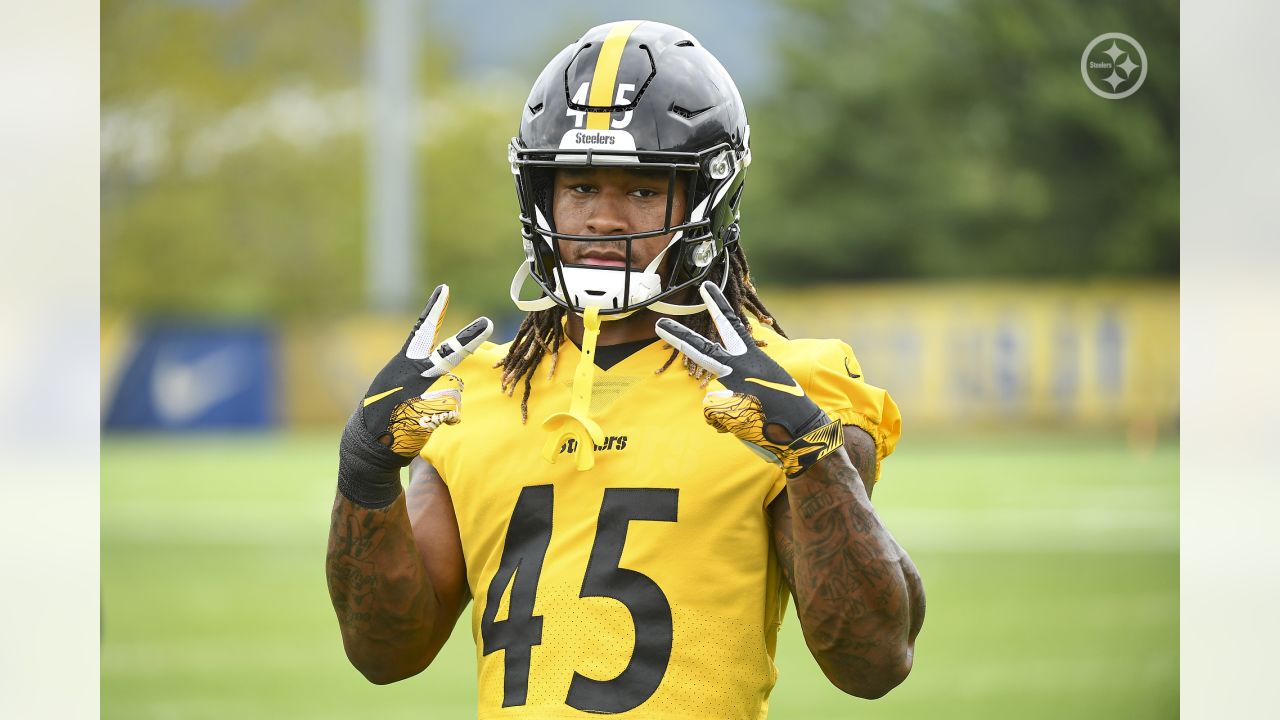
<point>758,401</point>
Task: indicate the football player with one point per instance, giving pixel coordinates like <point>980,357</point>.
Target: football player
<point>651,468</point>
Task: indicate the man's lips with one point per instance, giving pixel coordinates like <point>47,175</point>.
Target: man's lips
<point>601,259</point>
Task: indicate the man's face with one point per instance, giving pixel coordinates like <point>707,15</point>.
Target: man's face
<point>613,201</point>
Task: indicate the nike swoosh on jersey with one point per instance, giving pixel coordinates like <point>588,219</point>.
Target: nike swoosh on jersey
<point>375,398</point>
<point>848,370</point>
<point>793,389</point>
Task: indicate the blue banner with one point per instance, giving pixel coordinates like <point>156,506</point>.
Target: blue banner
<point>184,377</point>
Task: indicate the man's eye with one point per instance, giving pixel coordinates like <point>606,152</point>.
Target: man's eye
<point>645,192</point>
<point>583,188</point>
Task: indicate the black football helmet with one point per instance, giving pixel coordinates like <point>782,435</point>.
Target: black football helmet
<point>639,95</point>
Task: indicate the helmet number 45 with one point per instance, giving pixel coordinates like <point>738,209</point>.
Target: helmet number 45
<point>584,92</point>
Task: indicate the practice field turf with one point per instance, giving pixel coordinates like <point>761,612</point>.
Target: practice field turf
<point>1051,568</point>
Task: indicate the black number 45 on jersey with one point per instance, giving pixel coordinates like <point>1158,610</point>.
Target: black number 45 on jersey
<point>528,536</point>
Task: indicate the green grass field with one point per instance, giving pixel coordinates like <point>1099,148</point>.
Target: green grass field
<point>1051,567</point>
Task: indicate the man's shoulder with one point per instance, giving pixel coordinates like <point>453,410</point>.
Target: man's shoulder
<point>801,355</point>
<point>493,352</point>
<point>484,361</point>
<point>830,374</point>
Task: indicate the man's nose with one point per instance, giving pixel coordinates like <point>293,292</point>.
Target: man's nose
<point>607,216</point>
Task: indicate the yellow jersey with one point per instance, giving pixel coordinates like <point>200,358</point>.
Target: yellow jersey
<point>646,586</point>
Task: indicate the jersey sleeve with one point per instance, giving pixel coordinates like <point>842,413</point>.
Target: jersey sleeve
<point>832,376</point>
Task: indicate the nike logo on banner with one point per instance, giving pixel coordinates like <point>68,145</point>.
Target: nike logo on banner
<point>375,398</point>
<point>793,389</point>
<point>183,390</point>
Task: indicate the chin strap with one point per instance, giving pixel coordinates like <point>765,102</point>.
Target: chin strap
<point>517,282</point>
<point>577,424</point>
<point>669,309</point>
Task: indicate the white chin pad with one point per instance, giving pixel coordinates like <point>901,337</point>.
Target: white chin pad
<point>603,287</point>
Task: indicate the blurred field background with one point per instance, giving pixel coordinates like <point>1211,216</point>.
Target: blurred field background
<point>933,183</point>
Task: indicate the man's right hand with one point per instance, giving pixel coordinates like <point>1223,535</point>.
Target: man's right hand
<point>415,393</point>
<point>412,396</point>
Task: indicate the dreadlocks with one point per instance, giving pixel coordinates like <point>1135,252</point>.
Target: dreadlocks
<point>542,332</point>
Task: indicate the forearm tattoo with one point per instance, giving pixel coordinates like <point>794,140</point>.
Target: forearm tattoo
<point>858,595</point>
<point>380,591</point>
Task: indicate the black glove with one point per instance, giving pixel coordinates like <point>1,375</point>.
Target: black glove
<point>759,402</point>
<point>413,395</point>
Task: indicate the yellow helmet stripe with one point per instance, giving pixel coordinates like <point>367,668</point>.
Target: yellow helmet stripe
<point>606,73</point>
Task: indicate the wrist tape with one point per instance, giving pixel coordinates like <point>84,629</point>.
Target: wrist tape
<point>368,471</point>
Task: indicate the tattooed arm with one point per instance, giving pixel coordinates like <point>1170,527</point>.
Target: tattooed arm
<point>858,595</point>
<point>396,577</point>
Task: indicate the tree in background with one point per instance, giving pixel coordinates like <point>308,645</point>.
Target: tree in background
<point>920,138</point>
<point>233,172</point>
<point>957,139</point>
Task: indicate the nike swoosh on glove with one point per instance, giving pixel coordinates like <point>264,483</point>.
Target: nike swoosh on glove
<point>759,402</point>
